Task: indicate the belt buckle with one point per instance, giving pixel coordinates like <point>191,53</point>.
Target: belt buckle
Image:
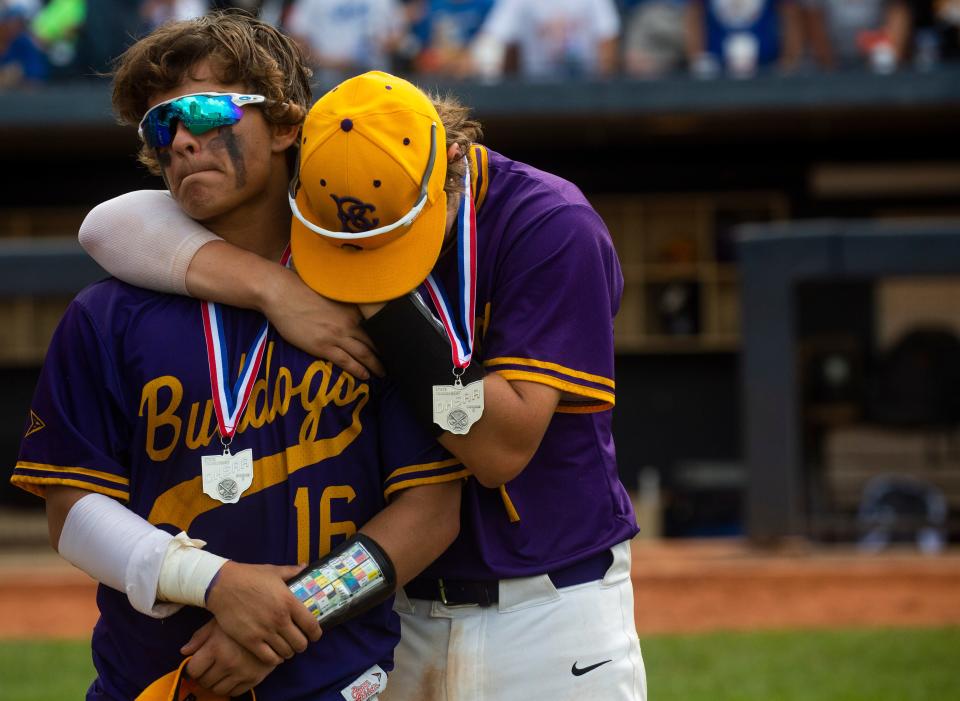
<point>443,591</point>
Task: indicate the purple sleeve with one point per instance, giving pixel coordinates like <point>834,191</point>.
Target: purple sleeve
<point>75,430</point>
<point>410,456</point>
<point>555,294</point>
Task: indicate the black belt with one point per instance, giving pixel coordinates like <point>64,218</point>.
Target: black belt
<point>486,592</point>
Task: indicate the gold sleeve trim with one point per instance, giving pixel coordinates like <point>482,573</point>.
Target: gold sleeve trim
<point>570,408</point>
<point>420,468</point>
<point>599,379</point>
<point>435,479</point>
<point>38,485</point>
<point>479,170</point>
<point>109,477</point>
<point>557,383</point>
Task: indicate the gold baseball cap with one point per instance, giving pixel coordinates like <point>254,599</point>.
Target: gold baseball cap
<point>369,210</point>
<point>177,686</point>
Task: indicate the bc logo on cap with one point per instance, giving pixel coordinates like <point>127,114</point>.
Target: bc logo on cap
<point>352,214</point>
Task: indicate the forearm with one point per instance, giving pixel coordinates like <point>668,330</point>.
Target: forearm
<point>144,238</point>
<point>499,445</point>
<point>417,526</point>
<point>227,274</point>
<point>122,550</point>
<point>221,272</point>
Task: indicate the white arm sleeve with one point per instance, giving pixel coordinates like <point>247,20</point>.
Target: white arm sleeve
<point>144,238</point>
<point>120,549</point>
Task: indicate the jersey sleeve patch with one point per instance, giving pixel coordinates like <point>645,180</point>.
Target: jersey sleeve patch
<point>36,477</point>
<point>426,473</point>
<point>587,392</point>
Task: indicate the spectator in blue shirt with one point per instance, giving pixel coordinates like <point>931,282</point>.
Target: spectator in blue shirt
<point>443,30</point>
<point>21,58</point>
<point>743,35</point>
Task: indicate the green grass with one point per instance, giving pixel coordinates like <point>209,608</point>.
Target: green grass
<point>857,665</point>
<point>861,665</point>
<point>44,670</point>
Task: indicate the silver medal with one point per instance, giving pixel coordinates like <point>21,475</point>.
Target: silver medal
<point>457,407</point>
<point>226,477</point>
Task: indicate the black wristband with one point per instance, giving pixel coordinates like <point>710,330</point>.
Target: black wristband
<point>349,581</point>
<point>416,353</point>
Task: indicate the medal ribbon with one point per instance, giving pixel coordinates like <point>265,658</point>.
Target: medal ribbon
<point>229,402</point>
<point>459,322</point>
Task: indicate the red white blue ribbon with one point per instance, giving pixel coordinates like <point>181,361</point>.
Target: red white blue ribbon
<point>230,401</point>
<point>459,321</point>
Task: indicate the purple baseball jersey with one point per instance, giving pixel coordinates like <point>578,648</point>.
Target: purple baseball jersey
<point>548,287</point>
<point>123,407</point>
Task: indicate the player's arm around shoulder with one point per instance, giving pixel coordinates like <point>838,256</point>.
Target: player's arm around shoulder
<point>146,239</point>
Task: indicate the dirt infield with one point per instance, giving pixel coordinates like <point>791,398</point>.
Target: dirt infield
<point>690,586</point>
<point>680,587</point>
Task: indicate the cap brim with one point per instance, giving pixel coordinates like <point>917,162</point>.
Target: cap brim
<point>371,275</point>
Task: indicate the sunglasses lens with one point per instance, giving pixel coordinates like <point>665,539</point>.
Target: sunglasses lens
<point>199,114</point>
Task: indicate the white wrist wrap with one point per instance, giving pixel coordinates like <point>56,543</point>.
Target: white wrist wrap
<point>187,571</point>
<point>120,549</point>
<point>117,548</point>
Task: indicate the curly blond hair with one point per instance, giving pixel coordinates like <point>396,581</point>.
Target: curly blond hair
<point>462,130</point>
<point>240,49</point>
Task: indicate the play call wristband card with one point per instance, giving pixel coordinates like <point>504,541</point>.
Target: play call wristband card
<point>338,581</point>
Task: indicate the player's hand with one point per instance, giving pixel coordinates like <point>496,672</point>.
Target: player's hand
<point>319,326</point>
<point>221,664</point>
<point>254,607</point>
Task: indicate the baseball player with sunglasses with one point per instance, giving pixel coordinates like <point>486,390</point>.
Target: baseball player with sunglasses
<point>489,294</point>
<point>158,416</point>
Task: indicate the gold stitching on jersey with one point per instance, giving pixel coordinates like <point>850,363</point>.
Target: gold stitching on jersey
<point>36,424</point>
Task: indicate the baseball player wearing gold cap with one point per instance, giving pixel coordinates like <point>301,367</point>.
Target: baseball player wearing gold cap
<point>157,415</point>
<point>490,289</point>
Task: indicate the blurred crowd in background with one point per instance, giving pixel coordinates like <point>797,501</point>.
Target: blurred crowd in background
<point>46,40</point>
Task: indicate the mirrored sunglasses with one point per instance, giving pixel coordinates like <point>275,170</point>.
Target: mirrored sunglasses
<point>198,112</point>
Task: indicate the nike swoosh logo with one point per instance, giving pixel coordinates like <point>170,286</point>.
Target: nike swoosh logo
<point>577,671</point>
